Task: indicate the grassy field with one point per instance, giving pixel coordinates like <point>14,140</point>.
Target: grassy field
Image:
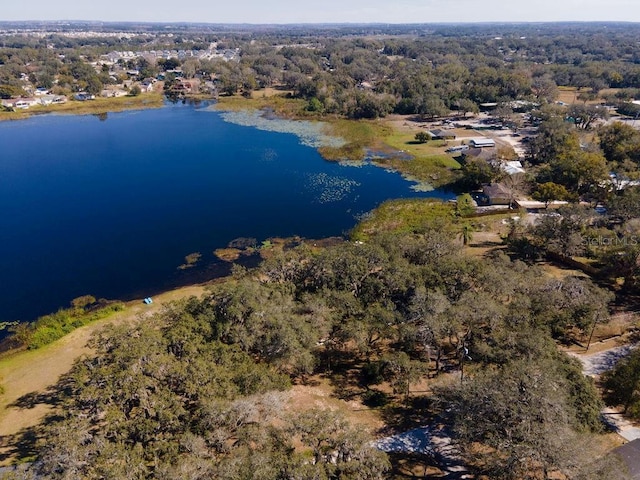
<point>427,163</point>
<point>405,215</point>
<point>569,95</point>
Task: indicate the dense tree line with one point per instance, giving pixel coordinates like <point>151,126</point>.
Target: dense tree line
<point>194,392</point>
<point>362,74</point>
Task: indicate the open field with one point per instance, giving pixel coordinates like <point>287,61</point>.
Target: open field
<point>570,95</point>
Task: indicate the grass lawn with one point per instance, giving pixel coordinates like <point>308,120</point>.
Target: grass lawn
<point>435,148</point>
<point>429,161</point>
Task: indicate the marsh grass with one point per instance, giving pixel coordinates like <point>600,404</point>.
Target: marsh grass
<point>427,163</point>
<point>190,260</point>
<point>228,254</point>
<point>404,215</point>
<point>49,328</point>
<point>359,135</point>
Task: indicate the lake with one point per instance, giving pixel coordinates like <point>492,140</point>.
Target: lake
<point>110,207</point>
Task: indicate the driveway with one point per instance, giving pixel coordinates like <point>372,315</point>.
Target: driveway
<point>594,365</point>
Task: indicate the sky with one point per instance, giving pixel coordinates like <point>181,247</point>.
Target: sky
<point>325,11</point>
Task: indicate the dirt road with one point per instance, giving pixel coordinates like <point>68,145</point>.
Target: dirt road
<point>597,363</point>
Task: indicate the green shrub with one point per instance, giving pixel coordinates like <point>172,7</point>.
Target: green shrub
<point>50,328</point>
<point>375,398</point>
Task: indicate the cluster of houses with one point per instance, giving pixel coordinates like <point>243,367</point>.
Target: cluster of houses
<point>483,148</point>
<point>152,55</point>
<point>41,97</point>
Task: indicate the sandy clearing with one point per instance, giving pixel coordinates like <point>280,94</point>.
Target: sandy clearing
<point>321,394</point>
<point>434,442</point>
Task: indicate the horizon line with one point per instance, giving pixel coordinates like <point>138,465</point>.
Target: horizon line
<point>193,22</point>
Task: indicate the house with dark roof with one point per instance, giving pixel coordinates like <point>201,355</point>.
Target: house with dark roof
<point>497,194</point>
<point>486,154</point>
<point>439,134</point>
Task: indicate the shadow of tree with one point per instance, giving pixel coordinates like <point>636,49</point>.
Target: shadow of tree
<point>344,375</point>
<point>23,445</point>
<point>52,396</point>
<point>413,465</point>
<point>416,412</point>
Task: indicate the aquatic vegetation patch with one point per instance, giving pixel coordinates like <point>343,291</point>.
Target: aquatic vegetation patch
<point>312,134</point>
<point>190,260</point>
<point>329,188</point>
<point>420,186</point>
<point>228,254</point>
<point>379,154</point>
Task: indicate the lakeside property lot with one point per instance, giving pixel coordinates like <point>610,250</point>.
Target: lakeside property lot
<point>28,376</point>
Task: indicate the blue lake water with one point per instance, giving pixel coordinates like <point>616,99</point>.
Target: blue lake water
<point>111,207</point>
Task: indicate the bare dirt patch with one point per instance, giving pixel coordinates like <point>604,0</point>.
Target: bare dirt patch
<point>319,393</point>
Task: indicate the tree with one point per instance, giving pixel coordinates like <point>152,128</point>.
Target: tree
<point>135,91</point>
<point>504,113</point>
<point>585,115</point>
<point>515,422</point>
<point>549,191</point>
<point>555,138</point>
<point>339,451</point>
<point>624,204</point>
<point>622,384</point>
<point>429,323</point>
<point>401,371</point>
<point>620,142</point>
<point>477,172</point>
<point>578,171</point>
<point>169,63</point>
<point>465,105</point>
<point>432,106</point>
<point>8,91</point>
<point>422,137</point>
<point>466,234</point>
<point>93,85</point>
<point>544,88</point>
<point>315,105</point>
<point>516,185</point>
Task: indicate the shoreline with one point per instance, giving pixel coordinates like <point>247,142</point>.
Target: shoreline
<point>29,375</point>
<point>360,136</point>
<point>98,106</point>
<point>365,134</point>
